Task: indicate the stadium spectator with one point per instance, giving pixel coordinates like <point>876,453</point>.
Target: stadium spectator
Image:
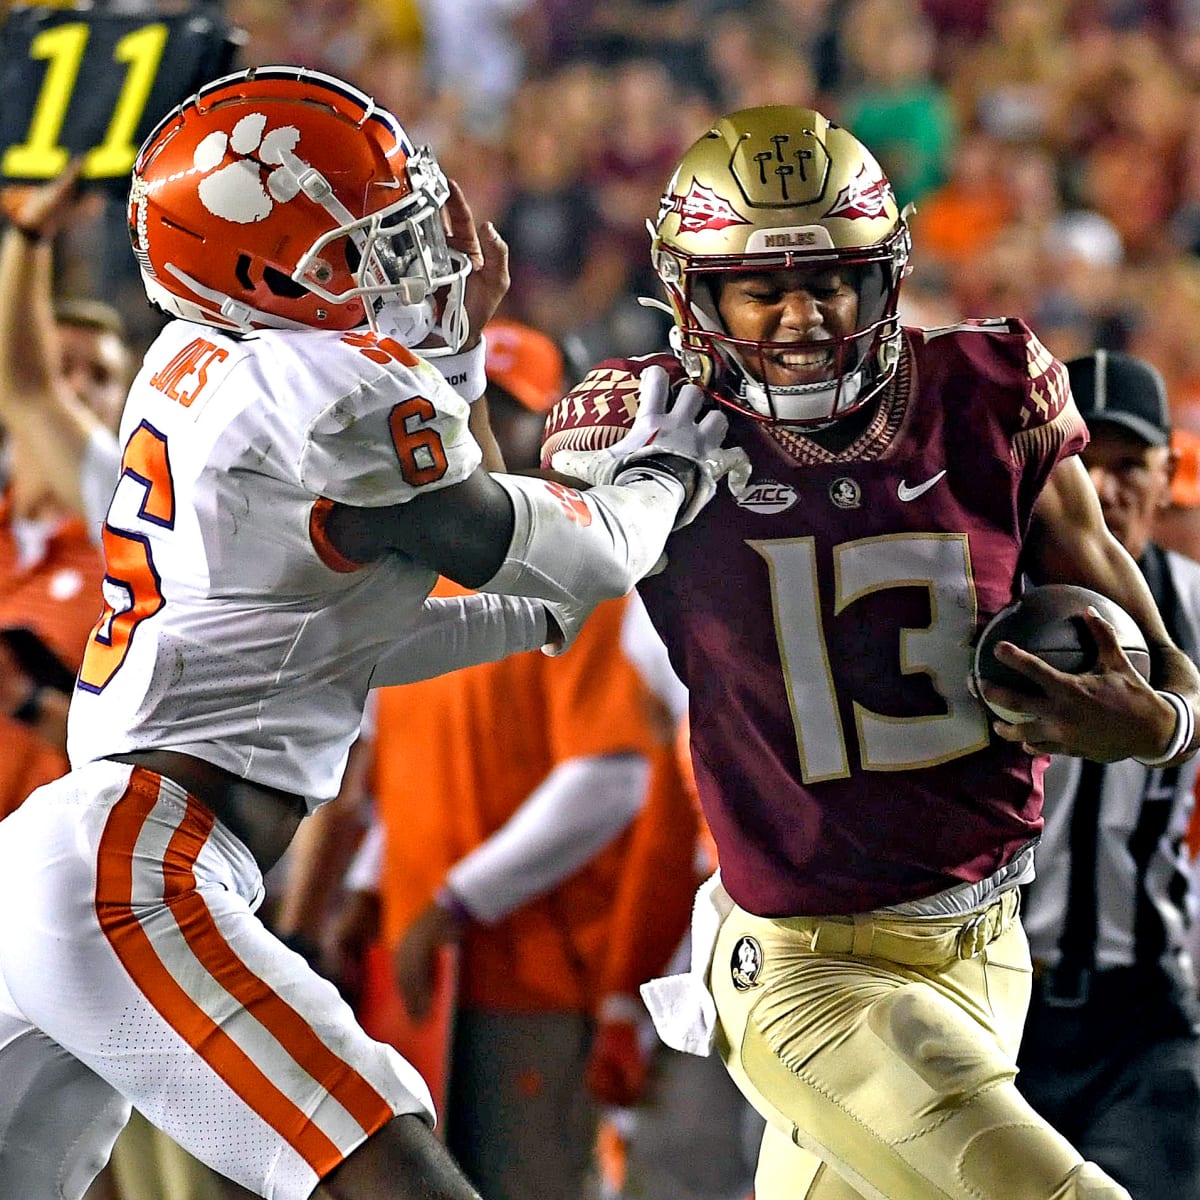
<point>1010,81</point>
<point>59,373</point>
<point>477,49</point>
<point>959,220</point>
<point>756,57</point>
<point>895,104</point>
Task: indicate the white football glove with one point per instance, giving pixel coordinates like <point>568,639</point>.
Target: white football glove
<point>678,431</point>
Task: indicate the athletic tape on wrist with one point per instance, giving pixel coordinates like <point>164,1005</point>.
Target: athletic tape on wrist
<point>1185,728</point>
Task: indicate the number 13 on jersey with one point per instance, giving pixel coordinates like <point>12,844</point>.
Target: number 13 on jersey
<point>938,562</point>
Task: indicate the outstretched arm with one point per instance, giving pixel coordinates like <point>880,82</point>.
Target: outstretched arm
<point>536,537</point>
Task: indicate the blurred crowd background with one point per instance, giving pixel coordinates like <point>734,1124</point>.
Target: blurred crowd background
<point>1051,148</point>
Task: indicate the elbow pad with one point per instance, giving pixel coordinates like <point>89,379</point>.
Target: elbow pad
<point>584,547</point>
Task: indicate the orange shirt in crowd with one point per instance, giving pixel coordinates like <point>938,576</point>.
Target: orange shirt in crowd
<point>49,600</point>
<point>456,756</point>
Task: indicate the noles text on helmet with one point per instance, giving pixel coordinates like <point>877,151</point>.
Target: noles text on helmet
<point>780,193</point>
<point>283,198</point>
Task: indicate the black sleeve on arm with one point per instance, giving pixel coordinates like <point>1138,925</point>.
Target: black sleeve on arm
<point>462,532</point>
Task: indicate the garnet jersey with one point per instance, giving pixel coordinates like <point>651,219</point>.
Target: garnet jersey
<point>232,630</point>
<point>823,621</point>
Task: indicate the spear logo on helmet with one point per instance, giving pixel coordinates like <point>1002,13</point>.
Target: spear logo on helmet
<point>701,208</point>
<point>862,198</point>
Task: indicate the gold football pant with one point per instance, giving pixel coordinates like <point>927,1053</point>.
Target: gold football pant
<point>148,1165</point>
<point>882,1053</point>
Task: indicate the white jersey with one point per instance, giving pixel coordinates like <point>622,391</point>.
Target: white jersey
<point>232,631</point>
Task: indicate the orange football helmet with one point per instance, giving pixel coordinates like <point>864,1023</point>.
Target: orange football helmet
<point>771,189</point>
<point>281,197</point>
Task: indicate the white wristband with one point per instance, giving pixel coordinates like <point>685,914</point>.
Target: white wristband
<point>1185,728</point>
<point>466,373</point>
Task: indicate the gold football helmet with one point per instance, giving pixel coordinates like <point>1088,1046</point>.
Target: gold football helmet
<point>770,189</point>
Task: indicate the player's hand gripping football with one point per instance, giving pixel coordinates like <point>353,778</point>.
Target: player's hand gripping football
<point>1105,714</point>
<point>660,431</point>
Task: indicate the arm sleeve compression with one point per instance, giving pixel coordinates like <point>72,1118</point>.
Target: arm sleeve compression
<point>460,631</point>
<point>582,547</point>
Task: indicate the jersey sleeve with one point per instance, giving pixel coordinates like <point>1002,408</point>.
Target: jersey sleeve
<point>1005,388</point>
<point>395,428</point>
<point>601,407</point>
<point>1027,390</point>
<point>1049,426</point>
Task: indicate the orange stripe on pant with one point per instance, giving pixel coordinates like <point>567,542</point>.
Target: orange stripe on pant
<point>368,1108</point>
<point>139,957</point>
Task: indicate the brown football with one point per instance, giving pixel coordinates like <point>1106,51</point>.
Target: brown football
<point>1048,621</point>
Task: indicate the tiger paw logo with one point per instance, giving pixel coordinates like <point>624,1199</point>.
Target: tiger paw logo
<point>243,180</point>
<point>572,503</point>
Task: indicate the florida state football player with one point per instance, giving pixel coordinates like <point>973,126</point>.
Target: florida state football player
<point>861,941</point>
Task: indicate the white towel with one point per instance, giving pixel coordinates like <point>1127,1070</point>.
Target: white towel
<point>681,1006</point>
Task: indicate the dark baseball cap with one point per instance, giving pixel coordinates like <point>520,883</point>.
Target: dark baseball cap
<point>1122,390</point>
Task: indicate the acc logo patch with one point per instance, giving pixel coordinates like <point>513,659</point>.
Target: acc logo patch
<point>845,493</point>
<point>767,496</point>
<point>746,964</point>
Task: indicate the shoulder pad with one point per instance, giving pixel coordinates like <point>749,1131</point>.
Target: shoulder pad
<point>1014,373</point>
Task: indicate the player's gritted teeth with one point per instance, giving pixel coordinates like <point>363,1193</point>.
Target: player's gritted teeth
<point>799,366</point>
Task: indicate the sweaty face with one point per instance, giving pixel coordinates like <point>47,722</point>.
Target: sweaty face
<point>798,310</point>
<point>1133,481</point>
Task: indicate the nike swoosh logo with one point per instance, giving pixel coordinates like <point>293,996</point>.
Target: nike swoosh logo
<point>907,493</point>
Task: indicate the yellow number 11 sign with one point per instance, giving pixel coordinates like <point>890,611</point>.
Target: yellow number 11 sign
<point>95,84</point>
